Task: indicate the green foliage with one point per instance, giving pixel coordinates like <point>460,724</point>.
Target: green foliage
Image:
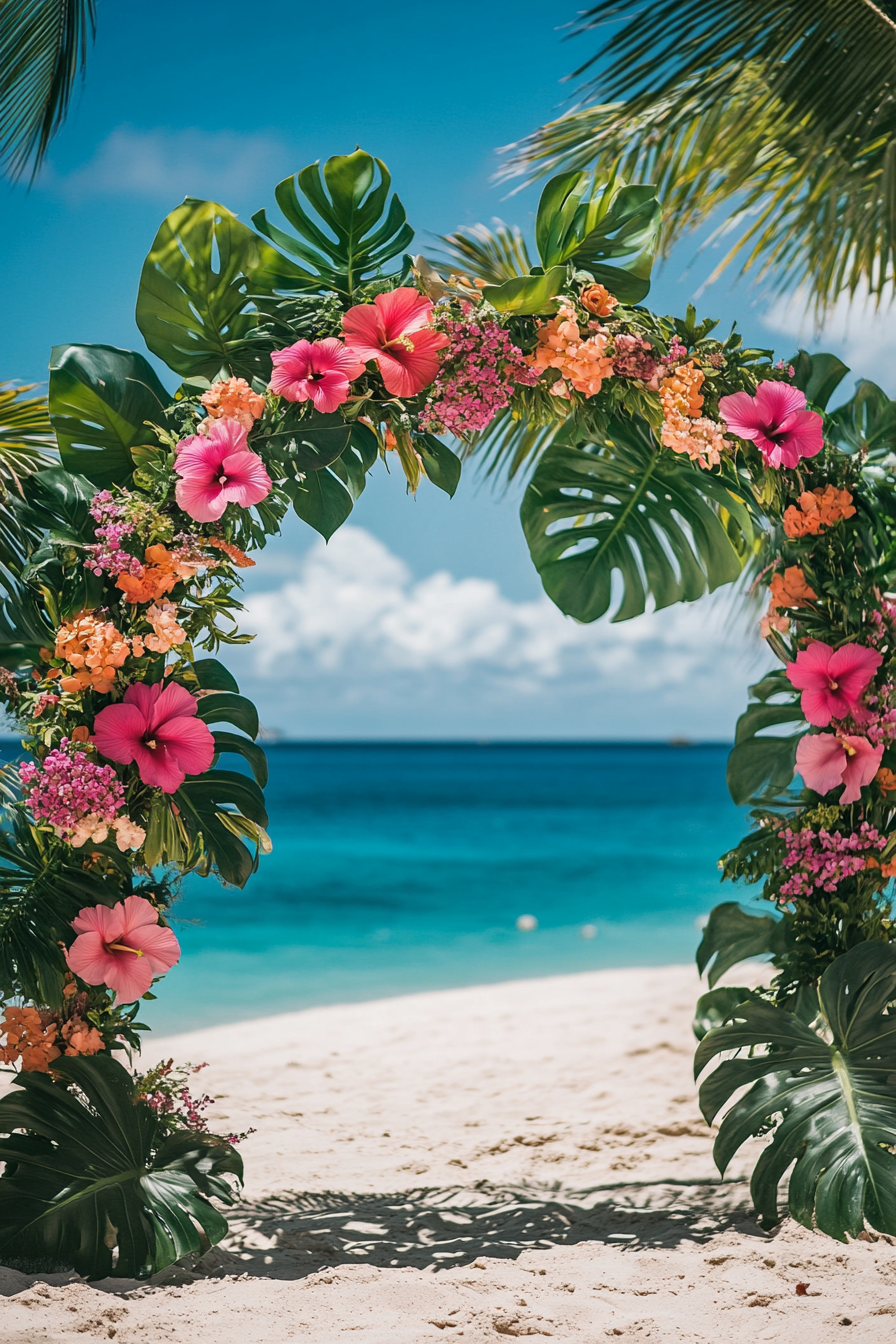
<point>441,465</point>
<point>781,112</point>
<point>43,45</point>
<point>630,507</point>
<point>715,1007</point>
<point>591,225</point>
<point>733,934</point>
<point>93,1184</point>
<point>818,376</point>
<point>606,228</point>
<point>325,497</point>
<point>825,1094</point>
<point>758,762</point>
<point>351,203</point>
<point>216,810</point>
<point>26,447</point>
<point>100,401</point>
<point>195,304</point>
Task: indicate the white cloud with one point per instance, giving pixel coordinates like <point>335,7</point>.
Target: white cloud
<point>164,165</point>
<point>863,336</point>
<point>354,609</point>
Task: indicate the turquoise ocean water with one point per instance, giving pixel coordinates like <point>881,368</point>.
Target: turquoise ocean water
<point>403,868</point>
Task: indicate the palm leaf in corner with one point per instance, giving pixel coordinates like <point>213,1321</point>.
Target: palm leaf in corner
<point>43,47</point>
<point>783,113</point>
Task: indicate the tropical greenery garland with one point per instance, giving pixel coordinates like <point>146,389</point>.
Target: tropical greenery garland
<point>667,461</point>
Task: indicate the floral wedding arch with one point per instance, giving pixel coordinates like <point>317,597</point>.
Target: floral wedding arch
<point>664,463</point>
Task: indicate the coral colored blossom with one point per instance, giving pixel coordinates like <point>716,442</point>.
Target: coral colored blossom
<point>154,578</point>
<point>30,1041</point>
<point>598,300</point>
<point>817,509</point>
<point>701,439</point>
<point>826,760</point>
<point>885,780</point>
<point>680,394</point>
<point>395,332</point>
<point>831,680</point>
<point>94,648</point>
<point>316,371</point>
<point>123,948</point>
<point>217,471</point>
<point>166,631</point>
<point>233,399</point>
<point>233,553</point>
<point>157,729</point>
<point>583,362</point>
<point>777,421</point>
<point>790,589</point>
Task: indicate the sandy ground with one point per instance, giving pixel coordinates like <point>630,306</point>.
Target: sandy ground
<point>517,1159</point>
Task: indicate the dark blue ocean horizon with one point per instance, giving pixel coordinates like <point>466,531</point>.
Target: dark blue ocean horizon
<point>401,867</point>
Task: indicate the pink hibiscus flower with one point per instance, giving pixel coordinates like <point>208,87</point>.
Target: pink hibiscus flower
<point>124,948</point>
<point>832,680</point>
<point>159,730</point>
<point>318,371</point>
<point>390,331</point>
<point>777,421</point>
<point>217,470</point>
<point>825,760</point>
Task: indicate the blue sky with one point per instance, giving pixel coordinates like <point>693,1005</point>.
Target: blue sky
<point>222,101</point>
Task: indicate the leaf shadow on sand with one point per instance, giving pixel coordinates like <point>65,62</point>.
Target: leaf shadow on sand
<point>291,1236</point>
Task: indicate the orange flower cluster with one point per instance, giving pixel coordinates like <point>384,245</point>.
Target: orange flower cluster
<point>680,393</point>
<point>165,629</point>
<point>816,509</point>
<point>28,1040</point>
<point>161,572</point>
<point>583,362</point>
<point>702,439</point>
<point>233,399</point>
<point>239,558</point>
<point>886,780</point>
<point>35,1038</point>
<point>786,590</point>
<point>685,430</point>
<point>94,648</point>
<point>598,300</point>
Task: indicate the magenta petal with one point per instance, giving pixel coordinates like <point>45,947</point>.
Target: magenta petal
<point>821,760</point>
<point>775,401</point>
<point>190,743</point>
<point>175,702</point>
<point>852,666</point>
<point>118,731</point>
<point>159,768</point>
<point>861,767</point>
<point>202,502</point>
<point>741,415</point>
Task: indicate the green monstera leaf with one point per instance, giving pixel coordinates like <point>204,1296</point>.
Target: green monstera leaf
<point>733,934</point>
<point>631,508</point>
<point>364,234</point>
<point>195,303</point>
<point>594,226</point>
<point>825,1090</point>
<point>94,1185</point>
<point>325,497</point>
<point>100,401</point>
<point>759,762</point>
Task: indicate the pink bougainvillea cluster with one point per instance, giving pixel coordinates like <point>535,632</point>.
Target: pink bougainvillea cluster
<point>480,369</point>
<point>79,798</point>
<point>819,860</point>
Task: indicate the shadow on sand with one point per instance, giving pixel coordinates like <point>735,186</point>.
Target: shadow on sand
<point>290,1236</point>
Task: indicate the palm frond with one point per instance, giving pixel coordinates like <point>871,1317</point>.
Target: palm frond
<point>27,442</point>
<point>493,255</point>
<point>788,110</point>
<point>43,46</point>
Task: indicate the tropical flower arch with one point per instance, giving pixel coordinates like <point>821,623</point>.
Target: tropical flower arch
<point>683,462</point>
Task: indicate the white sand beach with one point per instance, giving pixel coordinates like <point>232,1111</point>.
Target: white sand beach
<point>516,1159</point>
